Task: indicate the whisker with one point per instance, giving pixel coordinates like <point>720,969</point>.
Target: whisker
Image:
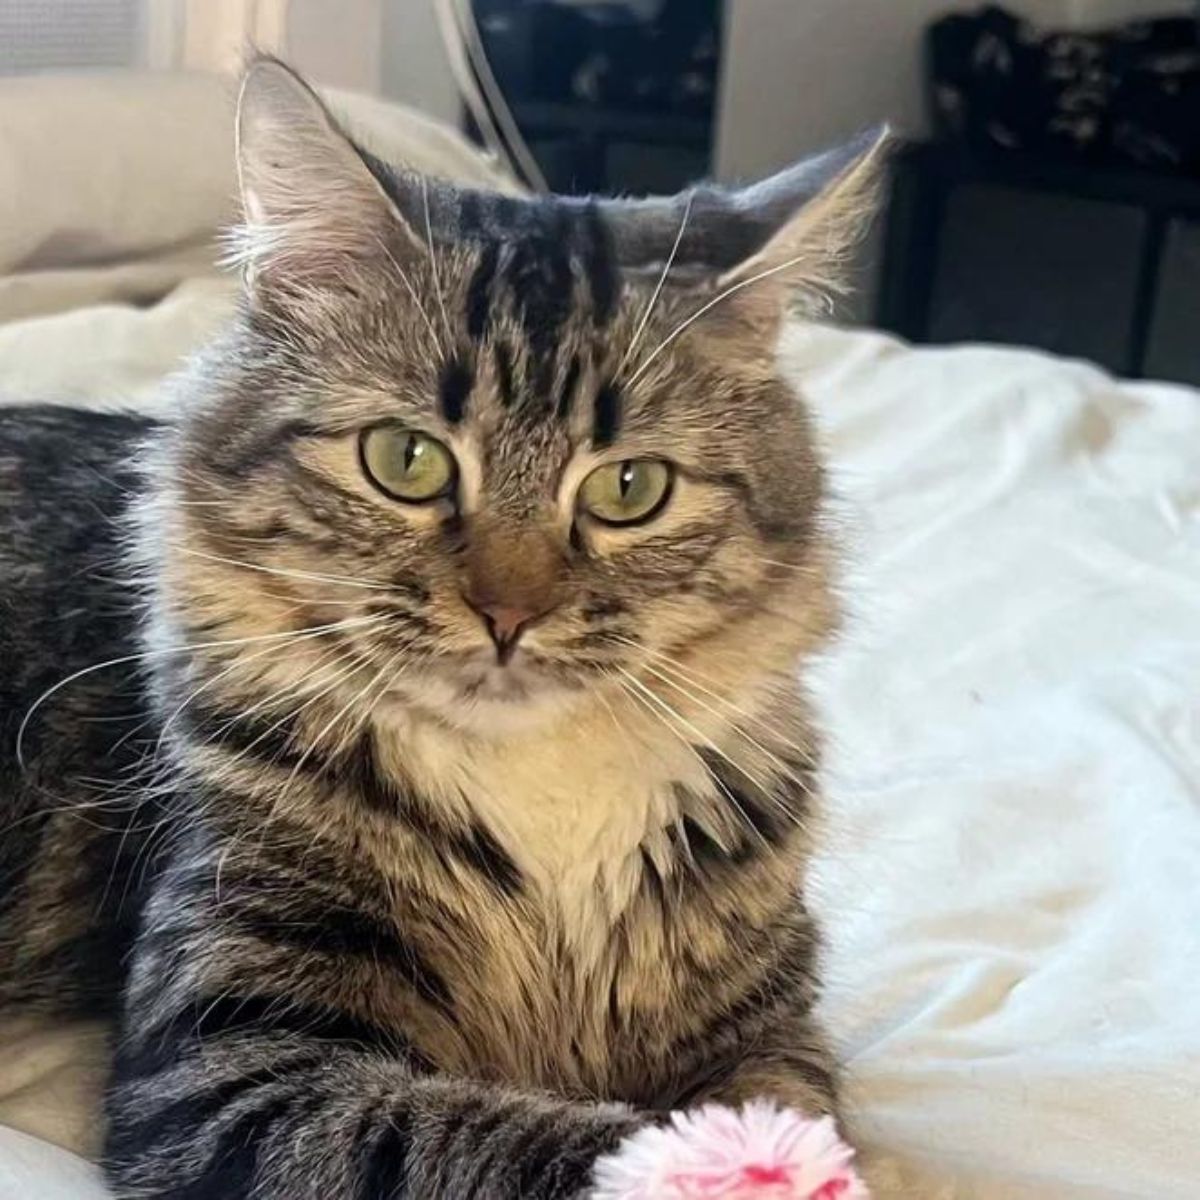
<point>696,677</point>
<point>278,696</point>
<point>237,665</point>
<point>774,562</point>
<point>324,602</point>
<point>641,648</point>
<point>286,572</point>
<point>670,665</point>
<point>433,266</point>
<point>785,770</point>
<point>415,298</point>
<point>302,687</point>
<point>337,716</point>
<point>662,279</point>
<point>388,679</point>
<point>607,674</point>
<point>356,665</point>
<point>264,820</point>
<point>352,732</point>
<point>736,806</point>
<point>658,701</point>
<point>142,655</point>
<point>717,299</point>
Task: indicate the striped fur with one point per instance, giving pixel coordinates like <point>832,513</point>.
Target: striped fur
<point>378,911</point>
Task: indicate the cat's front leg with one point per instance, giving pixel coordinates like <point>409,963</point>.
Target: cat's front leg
<point>759,1125</point>
<point>279,1115</point>
<point>778,1081</point>
<point>243,1072</point>
<point>790,1065</point>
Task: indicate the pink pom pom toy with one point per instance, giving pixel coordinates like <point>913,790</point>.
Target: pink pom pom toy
<point>761,1152</point>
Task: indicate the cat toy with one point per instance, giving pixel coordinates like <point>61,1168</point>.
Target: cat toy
<point>760,1152</point>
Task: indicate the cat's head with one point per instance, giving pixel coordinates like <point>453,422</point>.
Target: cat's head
<point>518,446</point>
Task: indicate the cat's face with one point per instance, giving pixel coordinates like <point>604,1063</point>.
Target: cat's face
<point>515,464</point>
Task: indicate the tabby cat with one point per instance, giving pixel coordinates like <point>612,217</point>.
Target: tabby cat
<point>401,739</point>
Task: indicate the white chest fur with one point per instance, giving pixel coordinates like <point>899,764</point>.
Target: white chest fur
<point>573,801</point>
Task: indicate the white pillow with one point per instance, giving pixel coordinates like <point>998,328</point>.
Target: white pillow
<point>96,168</point>
<point>32,1168</point>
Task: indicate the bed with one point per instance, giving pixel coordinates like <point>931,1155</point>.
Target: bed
<point>1010,881</point>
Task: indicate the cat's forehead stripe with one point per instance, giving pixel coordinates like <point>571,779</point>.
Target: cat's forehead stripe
<point>479,291</point>
<point>599,263</point>
<point>536,269</point>
<point>606,416</point>
<point>454,390</point>
<point>533,254</point>
<point>504,374</point>
<point>540,265</point>
<point>566,394</point>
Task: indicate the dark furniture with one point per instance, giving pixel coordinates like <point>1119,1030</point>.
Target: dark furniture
<point>1099,264</point>
<point>609,96</point>
<point>587,148</point>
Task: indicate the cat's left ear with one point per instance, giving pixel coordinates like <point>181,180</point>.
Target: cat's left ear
<point>814,215</point>
<point>313,212</point>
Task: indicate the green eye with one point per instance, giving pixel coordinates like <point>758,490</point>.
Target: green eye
<point>625,493</point>
<point>407,465</point>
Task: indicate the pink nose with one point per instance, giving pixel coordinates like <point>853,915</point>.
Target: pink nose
<point>505,623</point>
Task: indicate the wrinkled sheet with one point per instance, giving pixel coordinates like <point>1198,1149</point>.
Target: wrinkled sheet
<point>1012,885</point>
<point>1012,879</point>
<point>32,1169</point>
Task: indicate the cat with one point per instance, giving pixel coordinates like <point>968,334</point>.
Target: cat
<point>405,742</point>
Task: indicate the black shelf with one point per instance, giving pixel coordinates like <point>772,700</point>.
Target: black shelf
<point>1094,261</point>
<point>543,118</point>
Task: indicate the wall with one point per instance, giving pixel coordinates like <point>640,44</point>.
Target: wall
<point>342,50</point>
<point>415,69</point>
<point>384,46</point>
<point>1082,13</point>
<point>800,74</point>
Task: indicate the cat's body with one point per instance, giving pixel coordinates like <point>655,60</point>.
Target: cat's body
<point>67,913</point>
<point>381,908</point>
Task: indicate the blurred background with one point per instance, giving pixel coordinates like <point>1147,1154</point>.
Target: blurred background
<point>1046,191</point>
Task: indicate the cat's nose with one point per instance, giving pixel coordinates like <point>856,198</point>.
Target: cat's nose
<point>505,623</point>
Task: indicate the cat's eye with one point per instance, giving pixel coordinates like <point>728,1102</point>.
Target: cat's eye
<point>406,464</point>
<point>626,493</point>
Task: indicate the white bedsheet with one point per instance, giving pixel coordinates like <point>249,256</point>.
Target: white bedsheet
<point>1012,885</point>
<point>33,1169</point>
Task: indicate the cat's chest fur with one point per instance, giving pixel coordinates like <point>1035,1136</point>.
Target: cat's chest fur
<point>573,804</point>
<point>561,983</point>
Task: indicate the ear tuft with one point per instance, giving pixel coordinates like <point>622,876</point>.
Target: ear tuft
<point>807,259</point>
<point>311,208</point>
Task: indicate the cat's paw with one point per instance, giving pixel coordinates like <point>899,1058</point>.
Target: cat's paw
<point>758,1152</point>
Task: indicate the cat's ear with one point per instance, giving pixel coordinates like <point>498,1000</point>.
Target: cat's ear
<point>810,217</point>
<point>312,211</point>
